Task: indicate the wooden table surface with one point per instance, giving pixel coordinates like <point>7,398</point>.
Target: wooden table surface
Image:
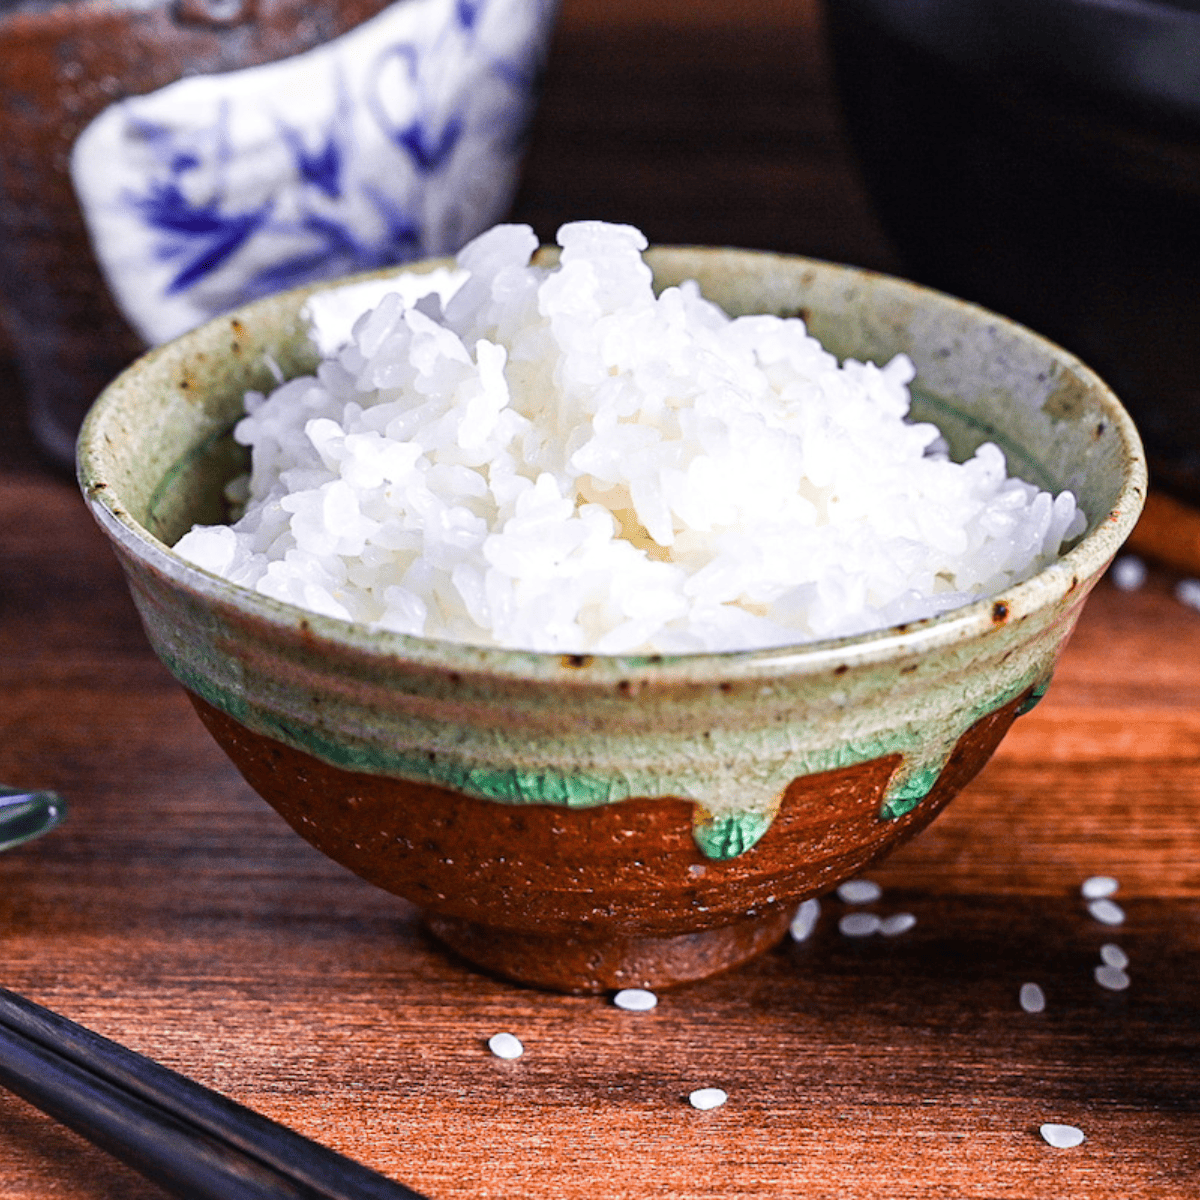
<point>176,913</point>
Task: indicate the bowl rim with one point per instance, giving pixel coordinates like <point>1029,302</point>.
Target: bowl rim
<point>1077,570</point>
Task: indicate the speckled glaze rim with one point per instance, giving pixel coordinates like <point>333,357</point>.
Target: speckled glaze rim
<point>1091,554</point>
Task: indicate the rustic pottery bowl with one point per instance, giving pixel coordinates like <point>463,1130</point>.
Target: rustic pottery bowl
<point>581,823</point>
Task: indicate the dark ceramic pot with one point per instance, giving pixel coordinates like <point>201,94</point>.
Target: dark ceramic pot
<point>162,161</point>
<point>1042,157</point>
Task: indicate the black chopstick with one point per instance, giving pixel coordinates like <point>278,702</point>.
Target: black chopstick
<point>190,1140</point>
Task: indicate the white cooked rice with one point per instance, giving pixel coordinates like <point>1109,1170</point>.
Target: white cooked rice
<point>1113,956</point>
<point>1187,591</point>
<point>560,460</point>
<point>1115,979</point>
<point>707,1098</point>
<point>1096,887</point>
<point>635,999</point>
<point>1128,573</point>
<point>505,1045</point>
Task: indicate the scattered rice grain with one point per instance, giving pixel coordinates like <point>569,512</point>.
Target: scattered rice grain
<point>1062,1137</point>
<point>505,1045</point>
<point>706,1098</point>
<point>1033,999</point>
<point>805,920</point>
<point>859,891</point>
<point>1128,573</point>
<point>1187,591</point>
<point>635,1000</point>
<point>859,924</point>
<point>1107,912</point>
<point>1096,887</point>
<point>897,923</point>
<point>1113,956</point>
<point>1113,978</point>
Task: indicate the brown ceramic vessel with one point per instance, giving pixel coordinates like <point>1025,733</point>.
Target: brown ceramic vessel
<point>583,823</point>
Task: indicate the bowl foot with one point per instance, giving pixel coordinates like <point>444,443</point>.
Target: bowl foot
<point>580,965</point>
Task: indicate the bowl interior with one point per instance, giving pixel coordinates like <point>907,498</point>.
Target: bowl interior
<point>161,440</point>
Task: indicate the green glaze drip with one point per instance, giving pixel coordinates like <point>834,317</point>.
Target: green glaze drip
<point>1034,698</point>
<point>507,785</point>
<point>730,834</point>
<point>902,799</point>
<point>200,683</point>
<point>516,786</point>
<point>723,837</point>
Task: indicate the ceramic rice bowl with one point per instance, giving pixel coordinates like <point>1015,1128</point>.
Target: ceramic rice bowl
<point>585,823</point>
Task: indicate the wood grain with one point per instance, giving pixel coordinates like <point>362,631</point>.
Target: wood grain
<point>1168,532</point>
<point>707,124</point>
<point>175,912</point>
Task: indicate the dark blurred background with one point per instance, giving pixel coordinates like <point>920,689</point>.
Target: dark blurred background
<point>700,121</point>
<point>1040,157</point>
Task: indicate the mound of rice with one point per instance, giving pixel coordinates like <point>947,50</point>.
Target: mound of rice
<point>559,460</point>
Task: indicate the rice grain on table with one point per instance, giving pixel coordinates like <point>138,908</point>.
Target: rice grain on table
<point>859,924</point>
<point>559,459</point>
<point>1113,978</point>
<point>1096,887</point>
<point>805,921</point>
<point>859,891</point>
<point>1062,1137</point>
<point>1128,573</point>
<point>505,1045</point>
<point>1113,956</point>
<point>707,1098</point>
<point>895,924</point>
<point>635,999</point>
<point>1032,998</point>
<point>1107,912</point>
<point>1187,591</point>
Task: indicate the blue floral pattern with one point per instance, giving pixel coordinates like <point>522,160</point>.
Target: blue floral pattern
<point>401,139</point>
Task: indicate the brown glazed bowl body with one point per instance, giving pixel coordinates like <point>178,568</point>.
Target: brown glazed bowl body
<point>582,823</point>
